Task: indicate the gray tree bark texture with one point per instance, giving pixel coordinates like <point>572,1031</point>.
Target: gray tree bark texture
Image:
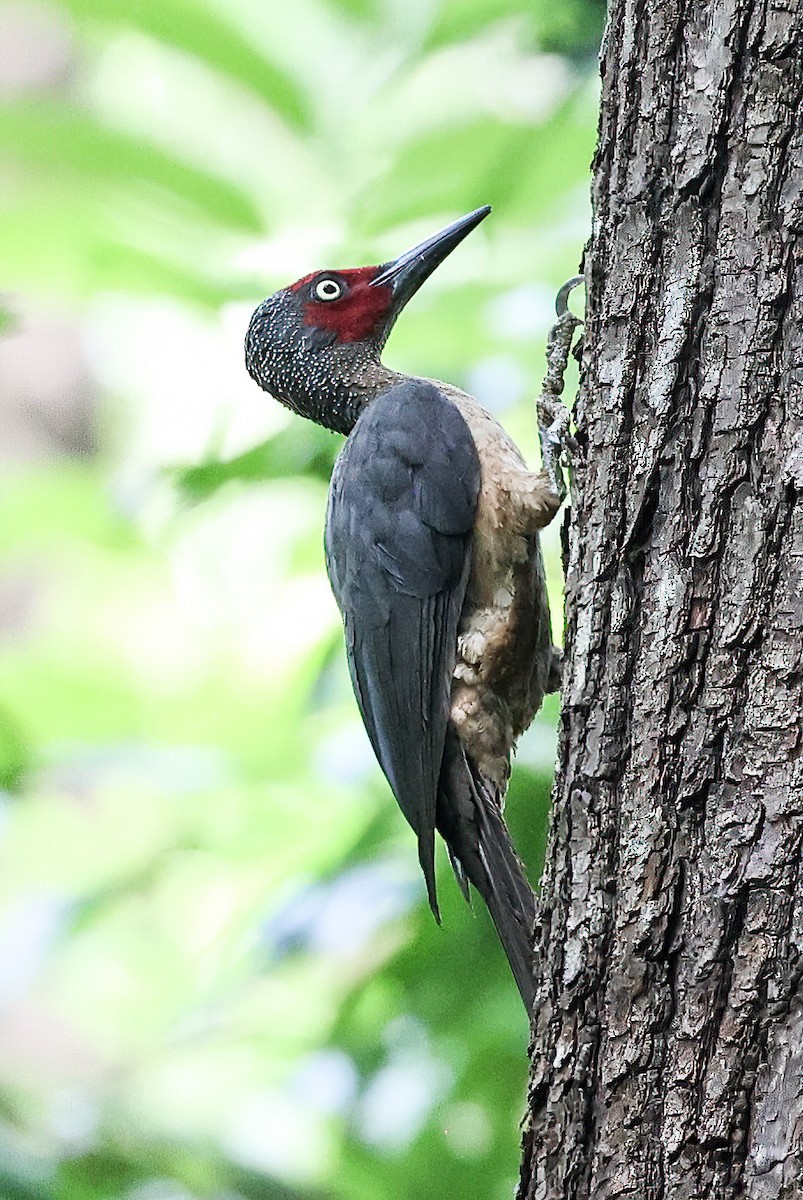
<point>667,1052</point>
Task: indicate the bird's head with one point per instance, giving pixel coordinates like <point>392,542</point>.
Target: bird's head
<point>313,345</point>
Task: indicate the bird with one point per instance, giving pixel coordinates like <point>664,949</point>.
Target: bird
<point>433,554</point>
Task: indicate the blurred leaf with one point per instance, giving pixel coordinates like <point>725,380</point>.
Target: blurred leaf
<point>573,28</point>
<point>519,168</point>
<point>159,1169</point>
<point>416,185</point>
<point>301,448</point>
<point>459,20</point>
<point>361,10</point>
<point>14,753</point>
<point>127,268</point>
<point>78,251</point>
<point>558,158</point>
<point>204,32</point>
<point>101,1173</point>
<point>15,1187</point>
<point>50,137</point>
<point>527,811</point>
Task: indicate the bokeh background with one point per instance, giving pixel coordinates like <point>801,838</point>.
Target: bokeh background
<point>218,977</point>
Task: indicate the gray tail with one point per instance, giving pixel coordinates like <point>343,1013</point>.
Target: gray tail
<point>469,819</point>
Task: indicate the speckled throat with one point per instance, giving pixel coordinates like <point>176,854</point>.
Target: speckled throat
<point>308,371</point>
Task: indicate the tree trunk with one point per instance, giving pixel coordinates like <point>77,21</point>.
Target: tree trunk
<point>667,1057</point>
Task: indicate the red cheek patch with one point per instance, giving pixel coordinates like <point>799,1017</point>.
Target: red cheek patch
<point>354,317</point>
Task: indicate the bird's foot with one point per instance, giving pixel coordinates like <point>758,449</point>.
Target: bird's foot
<point>562,298</point>
<point>553,415</point>
<point>556,442</point>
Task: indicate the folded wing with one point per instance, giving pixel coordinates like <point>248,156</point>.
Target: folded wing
<point>398,549</point>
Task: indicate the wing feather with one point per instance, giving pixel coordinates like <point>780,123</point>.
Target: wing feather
<point>398,548</point>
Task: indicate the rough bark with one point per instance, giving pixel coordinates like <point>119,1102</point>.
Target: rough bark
<point>667,1056</point>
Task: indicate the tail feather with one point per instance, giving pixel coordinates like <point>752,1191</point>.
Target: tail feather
<point>469,818</point>
<point>509,897</point>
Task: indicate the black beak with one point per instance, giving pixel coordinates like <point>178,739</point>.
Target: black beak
<point>407,272</point>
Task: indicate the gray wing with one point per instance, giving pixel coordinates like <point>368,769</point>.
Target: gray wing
<point>398,550</point>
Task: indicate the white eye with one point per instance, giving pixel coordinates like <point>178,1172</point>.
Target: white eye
<point>328,289</point>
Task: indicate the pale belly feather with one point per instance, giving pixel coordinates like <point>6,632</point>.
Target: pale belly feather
<point>505,661</point>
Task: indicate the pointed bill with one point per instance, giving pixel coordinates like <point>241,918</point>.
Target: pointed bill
<point>407,272</point>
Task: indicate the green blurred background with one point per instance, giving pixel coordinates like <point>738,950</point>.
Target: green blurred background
<point>218,977</point>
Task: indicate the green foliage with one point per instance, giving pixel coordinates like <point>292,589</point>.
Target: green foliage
<point>211,37</point>
<point>219,977</point>
<point>572,28</point>
<point>57,142</point>
<point>295,450</point>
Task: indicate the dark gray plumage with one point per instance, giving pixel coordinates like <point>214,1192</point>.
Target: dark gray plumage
<point>398,550</point>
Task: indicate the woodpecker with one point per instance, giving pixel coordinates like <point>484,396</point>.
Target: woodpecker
<point>432,550</point>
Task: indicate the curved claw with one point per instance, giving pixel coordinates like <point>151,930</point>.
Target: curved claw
<point>562,298</point>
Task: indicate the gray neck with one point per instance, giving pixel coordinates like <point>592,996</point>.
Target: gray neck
<point>306,369</point>
<point>373,379</point>
<point>337,402</point>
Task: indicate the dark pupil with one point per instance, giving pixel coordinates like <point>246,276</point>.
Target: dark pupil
<point>329,288</point>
